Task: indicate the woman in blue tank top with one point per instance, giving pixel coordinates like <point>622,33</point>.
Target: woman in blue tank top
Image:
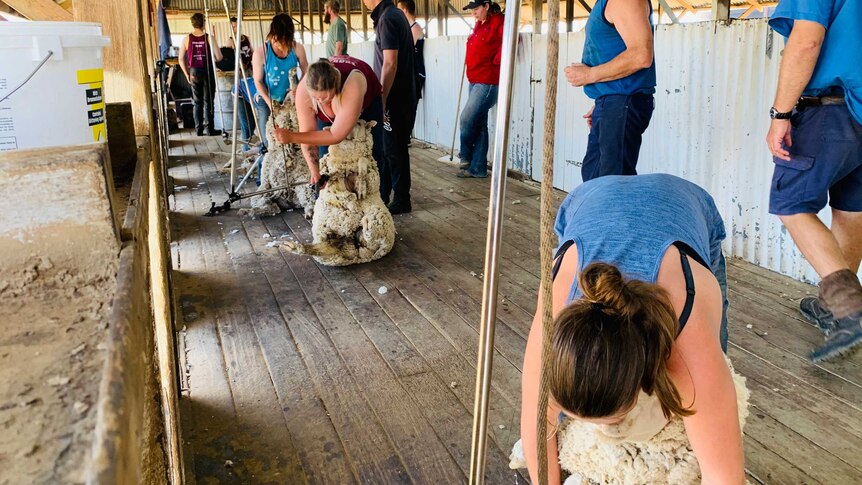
<point>639,303</point>
<point>272,63</point>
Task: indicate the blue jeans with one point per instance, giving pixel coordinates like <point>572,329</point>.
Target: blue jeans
<point>619,122</point>
<point>246,121</point>
<point>474,127</point>
<point>262,118</point>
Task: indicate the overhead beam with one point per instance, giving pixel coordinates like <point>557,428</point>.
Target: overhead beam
<point>721,9</point>
<point>40,10</point>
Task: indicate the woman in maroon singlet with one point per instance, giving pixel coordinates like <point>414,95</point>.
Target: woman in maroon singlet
<point>336,92</point>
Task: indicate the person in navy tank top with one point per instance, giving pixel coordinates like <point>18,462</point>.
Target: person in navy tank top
<point>639,301</point>
<point>336,93</point>
<point>196,63</point>
<point>617,70</point>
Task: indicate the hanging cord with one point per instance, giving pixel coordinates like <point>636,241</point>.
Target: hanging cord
<point>547,232</point>
<point>10,93</point>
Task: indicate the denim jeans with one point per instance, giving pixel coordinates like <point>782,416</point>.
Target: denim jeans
<point>262,119</point>
<point>474,127</point>
<point>203,90</point>
<point>244,113</point>
<point>614,144</point>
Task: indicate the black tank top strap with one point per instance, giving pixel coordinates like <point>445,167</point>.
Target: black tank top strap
<point>558,258</point>
<point>689,288</point>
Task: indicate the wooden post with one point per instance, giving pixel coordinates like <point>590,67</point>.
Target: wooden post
<point>537,16</point>
<point>40,10</point>
<point>125,63</point>
<point>347,14</point>
<point>426,9</point>
<point>445,8</point>
<point>310,21</point>
<point>301,21</point>
<point>364,20</point>
<point>721,9</point>
<point>570,15</point>
<point>440,25</point>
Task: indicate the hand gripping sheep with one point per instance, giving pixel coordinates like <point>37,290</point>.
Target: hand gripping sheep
<point>351,224</point>
<point>283,167</point>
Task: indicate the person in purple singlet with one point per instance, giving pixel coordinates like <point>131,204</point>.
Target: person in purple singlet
<point>196,63</point>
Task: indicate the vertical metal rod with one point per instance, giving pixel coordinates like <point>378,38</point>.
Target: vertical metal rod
<point>237,44</point>
<point>210,36</point>
<point>236,70</point>
<point>479,448</point>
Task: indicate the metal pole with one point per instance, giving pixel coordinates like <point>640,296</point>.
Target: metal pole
<point>237,47</point>
<point>460,87</point>
<point>215,69</point>
<point>236,71</point>
<point>492,249</point>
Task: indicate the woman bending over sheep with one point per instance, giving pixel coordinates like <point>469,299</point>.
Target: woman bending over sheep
<point>336,93</point>
<point>640,326</point>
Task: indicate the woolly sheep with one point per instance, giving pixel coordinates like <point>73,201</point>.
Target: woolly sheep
<point>351,224</point>
<point>594,457</point>
<point>283,166</point>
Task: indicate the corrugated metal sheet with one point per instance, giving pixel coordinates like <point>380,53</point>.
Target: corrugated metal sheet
<point>715,86</point>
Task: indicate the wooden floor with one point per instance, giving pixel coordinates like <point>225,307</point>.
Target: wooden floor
<point>298,373</point>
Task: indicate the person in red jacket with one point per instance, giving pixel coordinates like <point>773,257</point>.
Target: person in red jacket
<point>483,71</point>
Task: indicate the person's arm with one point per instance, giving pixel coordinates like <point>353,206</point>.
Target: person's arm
<point>303,60</point>
<point>215,48</point>
<point>387,73</point>
<point>800,57</point>
<point>348,115</point>
<point>417,32</point>
<point>183,58</point>
<point>341,38</point>
<point>529,407</point>
<point>498,57</point>
<point>631,19</point>
<point>307,122</point>
<point>713,429</point>
<point>257,65</point>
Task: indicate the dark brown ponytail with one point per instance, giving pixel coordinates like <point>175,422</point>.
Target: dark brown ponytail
<point>612,343</point>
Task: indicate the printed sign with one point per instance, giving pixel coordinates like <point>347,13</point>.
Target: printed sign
<point>93,78</point>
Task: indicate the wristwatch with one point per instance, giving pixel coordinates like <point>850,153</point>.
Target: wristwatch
<point>778,115</point>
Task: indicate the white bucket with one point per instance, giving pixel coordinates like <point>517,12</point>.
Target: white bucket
<point>63,102</point>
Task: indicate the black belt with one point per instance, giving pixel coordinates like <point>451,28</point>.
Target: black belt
<point>809,101</point>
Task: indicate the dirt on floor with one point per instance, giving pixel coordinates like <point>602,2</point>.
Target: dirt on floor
<point>53,322</point>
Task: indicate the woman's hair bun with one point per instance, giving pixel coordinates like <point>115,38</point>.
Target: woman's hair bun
<point>603,285</point>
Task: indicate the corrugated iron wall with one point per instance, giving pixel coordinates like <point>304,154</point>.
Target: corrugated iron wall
<point>715,86</point>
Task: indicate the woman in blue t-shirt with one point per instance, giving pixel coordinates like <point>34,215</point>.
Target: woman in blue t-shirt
<point>272,63</point>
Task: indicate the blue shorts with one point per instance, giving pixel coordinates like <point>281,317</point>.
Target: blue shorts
<point>825,164</point>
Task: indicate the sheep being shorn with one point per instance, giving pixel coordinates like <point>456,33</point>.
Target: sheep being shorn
<point>283,166</point>
<point>351,224</point>
<point>631,453</point>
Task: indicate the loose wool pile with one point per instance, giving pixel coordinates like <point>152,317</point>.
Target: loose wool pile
<point>351,224</point>
<point>283,166</point>
<point>594,455</point>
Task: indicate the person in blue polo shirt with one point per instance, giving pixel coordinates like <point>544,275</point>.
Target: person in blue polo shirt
<point>617,70</point>
<point>816,142</point>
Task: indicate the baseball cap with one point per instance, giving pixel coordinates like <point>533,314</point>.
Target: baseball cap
<point>475,4</point>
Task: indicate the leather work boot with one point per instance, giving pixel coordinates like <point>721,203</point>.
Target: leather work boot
<point>842,293</point>
<point>846,336</point>
<point>815,312</point>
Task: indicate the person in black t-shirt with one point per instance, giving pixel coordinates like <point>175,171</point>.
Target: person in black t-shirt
<point>394,65</point>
